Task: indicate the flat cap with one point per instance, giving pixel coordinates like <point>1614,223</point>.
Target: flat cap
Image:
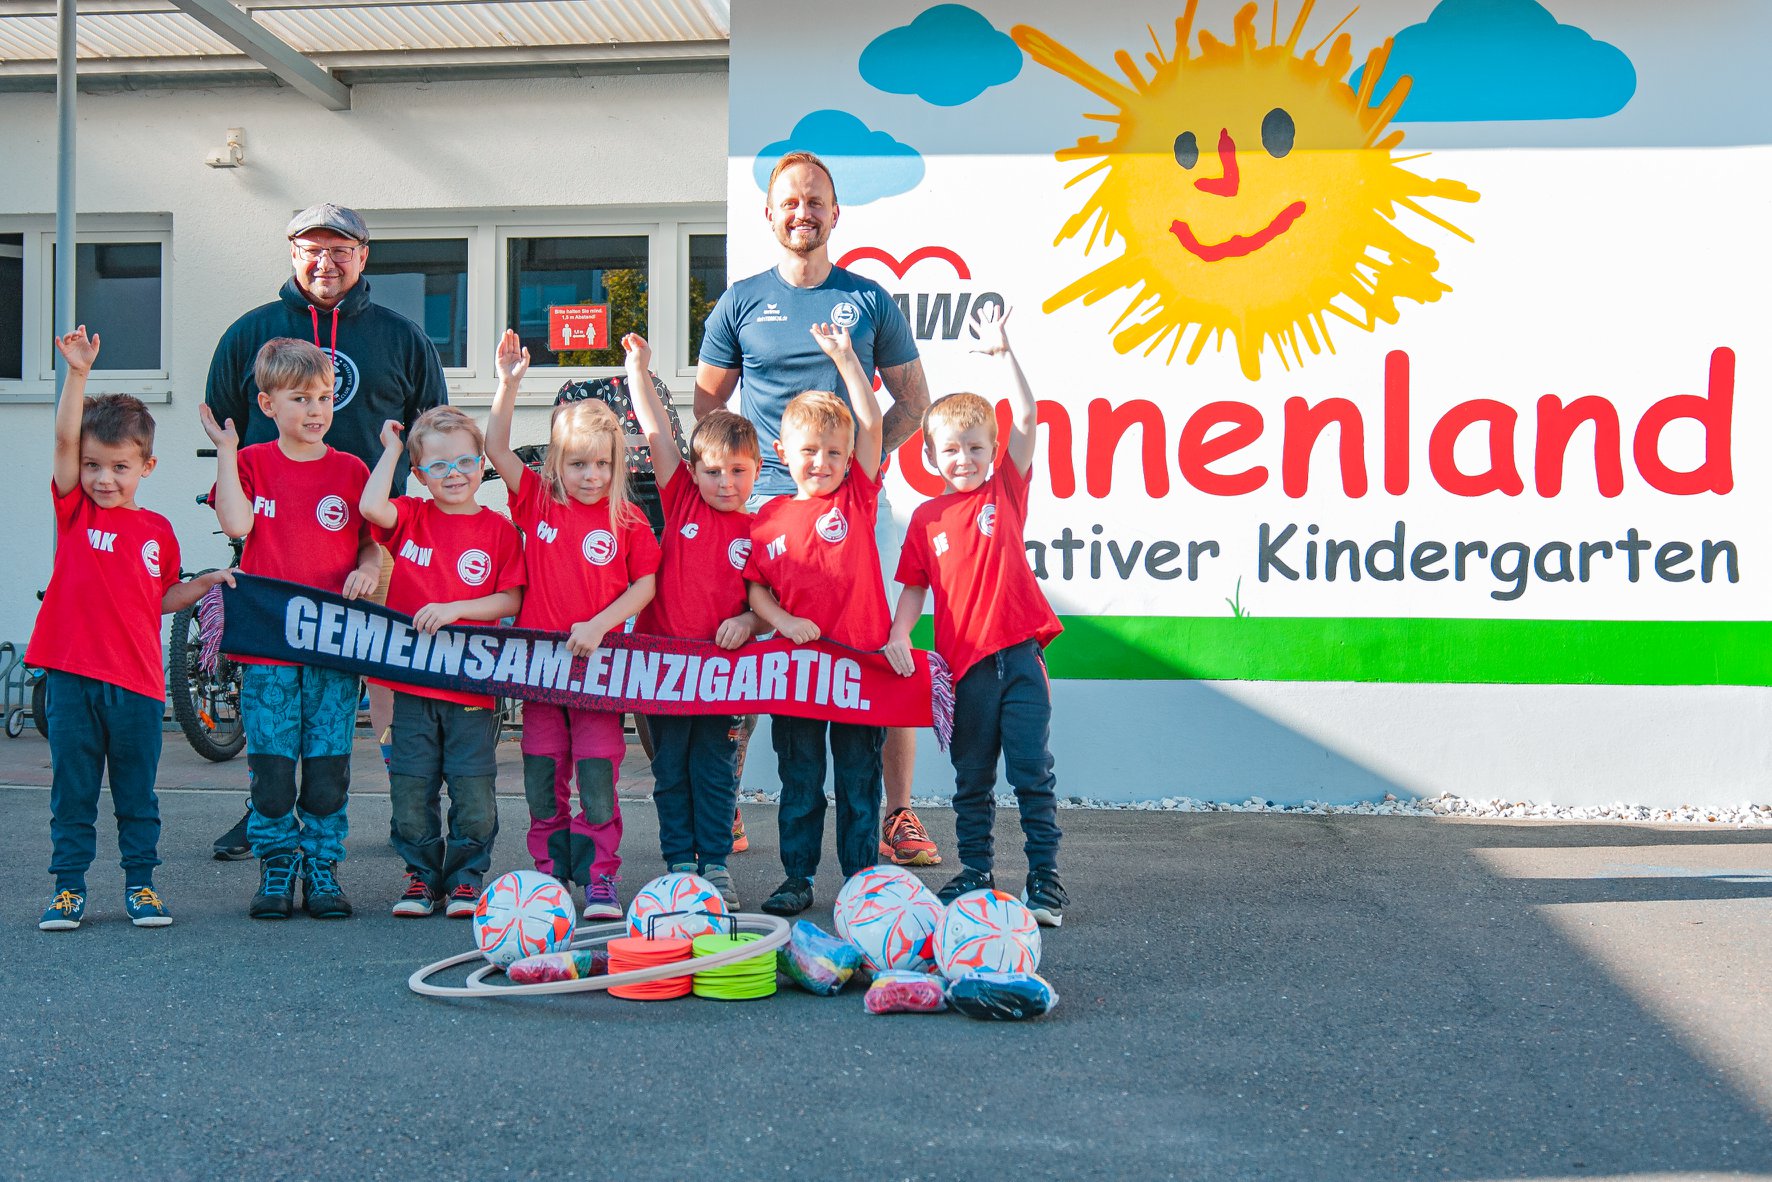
<point>327,216</point>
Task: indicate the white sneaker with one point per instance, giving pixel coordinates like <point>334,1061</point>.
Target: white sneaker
<point>417,900</point>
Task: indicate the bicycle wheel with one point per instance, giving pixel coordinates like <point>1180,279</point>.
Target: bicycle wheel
<point>206,705</point>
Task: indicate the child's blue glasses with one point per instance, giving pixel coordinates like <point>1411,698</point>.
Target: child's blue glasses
<point>466,465</point>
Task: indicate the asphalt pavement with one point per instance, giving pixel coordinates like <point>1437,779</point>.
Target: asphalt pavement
<point>1241,997</point>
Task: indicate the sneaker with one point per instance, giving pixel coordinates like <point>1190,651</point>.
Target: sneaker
<point>65,912</point>
<point>462,901</point>
<point>233,846</point>
<point>904,841</point>
<point>970,878</point>
<point>417,900</point>
<point>740,842</point>
<point>601,900</point>
<point>276,887</point>
<point>1045,897</point>
<point>721,878</point>
<point>145,908</point>
<point>790,898</point>
<point>321,896</point>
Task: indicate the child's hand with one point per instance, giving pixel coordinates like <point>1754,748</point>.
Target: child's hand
<point>513,357</point>
<point>433,616</point>
<point>390,435</point>
<point>206,581</point>
<point>834,340</point>
<point>79,350</point>
<point>223,436</point>
<point>585,638</point>
<point>736,632</point>
<point>898,655</point>
<point>989,323</point>
<point>799,630</point>
<point>360,584</point>
<point>638,351</point>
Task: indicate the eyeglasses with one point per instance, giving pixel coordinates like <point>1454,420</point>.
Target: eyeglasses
<point>466,465</point>
<point>313,254</point>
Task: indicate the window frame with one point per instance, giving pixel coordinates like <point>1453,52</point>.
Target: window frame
<point>686,362</point>
<point>465,231</point>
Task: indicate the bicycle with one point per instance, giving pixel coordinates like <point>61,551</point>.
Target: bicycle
<point>206,704</point>
<point>31,685</point>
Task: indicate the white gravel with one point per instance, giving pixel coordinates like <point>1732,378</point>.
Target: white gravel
<point>1741,816</point>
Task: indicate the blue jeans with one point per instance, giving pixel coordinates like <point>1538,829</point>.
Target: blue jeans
<point>437,741</point>
<point>800,750</point>
<point>1004,704</point>
<point>298,715</point>
<point>695,773</point>
<point>95,727</point>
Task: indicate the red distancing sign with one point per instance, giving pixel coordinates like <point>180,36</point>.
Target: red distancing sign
<point>578,326</point>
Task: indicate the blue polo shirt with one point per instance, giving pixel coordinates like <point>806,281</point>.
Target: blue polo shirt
<point>762,327</point>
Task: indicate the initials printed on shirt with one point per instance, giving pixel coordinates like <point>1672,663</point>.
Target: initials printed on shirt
<point>264,507</point>
<point>415,554</point>
<point>103,540</point>
<point>546,532</point>
<point>778,547</point>
<point>939,543</point>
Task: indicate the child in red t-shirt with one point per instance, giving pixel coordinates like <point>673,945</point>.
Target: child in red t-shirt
<point>815,572</point>
<point>991,621</point>
<point>98,639</point>
<point>701,596</point>
<point>294,500</point>
<point>592,564</point>
<point>454,562</point>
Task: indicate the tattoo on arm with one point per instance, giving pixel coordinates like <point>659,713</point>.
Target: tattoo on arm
<point>910,398</point>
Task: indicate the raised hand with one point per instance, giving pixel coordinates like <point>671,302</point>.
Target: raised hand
<point>989,322</point>
<point>390,434</point>
<point>513,357</point>
<point>78,349</point>
<point>220,434</point>
<point>834,340</point>
<point>639,353</point>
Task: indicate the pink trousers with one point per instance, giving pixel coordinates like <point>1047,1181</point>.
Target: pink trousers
<point>559,746</point>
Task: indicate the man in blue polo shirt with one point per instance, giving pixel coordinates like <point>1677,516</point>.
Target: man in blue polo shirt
<point>758,331</point>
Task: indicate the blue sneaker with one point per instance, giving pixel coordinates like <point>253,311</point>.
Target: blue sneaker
<point>145,908</point>
<point>65,912</point>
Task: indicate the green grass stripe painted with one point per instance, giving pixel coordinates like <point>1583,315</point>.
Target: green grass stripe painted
<point>1516,652</point>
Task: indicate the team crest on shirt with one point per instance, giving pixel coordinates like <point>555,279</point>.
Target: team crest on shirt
<point>739,553</point>
<point>833,526</point>
<point>151,557</point>
<point>599,547</point>
<point>845,315</point>
<point>474,567</point>
<point>345,380</point>
<point>987,520</point>
<point>690,529</point>
<point>333,513</point>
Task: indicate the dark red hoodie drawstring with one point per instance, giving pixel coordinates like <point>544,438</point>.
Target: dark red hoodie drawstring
<point>314,315</point>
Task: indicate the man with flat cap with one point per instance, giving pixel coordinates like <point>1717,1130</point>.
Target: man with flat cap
<point>384,368</point>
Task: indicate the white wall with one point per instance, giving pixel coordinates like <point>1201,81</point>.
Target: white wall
<point>522,144</point>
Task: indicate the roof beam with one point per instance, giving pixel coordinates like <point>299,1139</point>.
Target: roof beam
<point>229,22</point>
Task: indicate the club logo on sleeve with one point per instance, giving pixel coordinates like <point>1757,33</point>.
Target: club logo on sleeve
<point>151,557</point>
<point>987,520</point>
<point>845,315</point>
<point>833,527</point>
<point>474,567</point>
<point>333,513</point>
<point>690,529</point>
<point>739,553</point>
<point>599,547</point>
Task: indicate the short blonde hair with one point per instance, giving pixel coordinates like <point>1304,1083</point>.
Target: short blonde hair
<point>577,427</point>
<point>440,420</point>
<point>957,412</point>
<point>792,158</point>
<point>724,433</point>
<point>286,363</point>
<point>817,411</point>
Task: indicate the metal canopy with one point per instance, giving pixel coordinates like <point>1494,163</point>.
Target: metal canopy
<point>320,47</point>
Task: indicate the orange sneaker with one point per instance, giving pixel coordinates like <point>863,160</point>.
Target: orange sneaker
<point>740,843</point>
<point>905,842</point>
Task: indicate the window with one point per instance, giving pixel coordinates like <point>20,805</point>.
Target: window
<point>544,273</point>
<point>12,306</point>
<point>707,280</point>
<point>426,281</point>
<point>117,295</point>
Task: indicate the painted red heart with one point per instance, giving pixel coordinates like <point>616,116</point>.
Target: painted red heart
<point>899,267</point>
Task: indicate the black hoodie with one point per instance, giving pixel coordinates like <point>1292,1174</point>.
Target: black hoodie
<point>386,368</point>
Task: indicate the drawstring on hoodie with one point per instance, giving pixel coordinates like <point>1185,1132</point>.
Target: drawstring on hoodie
<point>314,314</point>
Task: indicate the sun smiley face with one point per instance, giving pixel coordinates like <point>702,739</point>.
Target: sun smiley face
<point>1254,191</point>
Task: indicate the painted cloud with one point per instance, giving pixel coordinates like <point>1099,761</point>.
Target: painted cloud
<point>866,164</point>
<point>948,56</point>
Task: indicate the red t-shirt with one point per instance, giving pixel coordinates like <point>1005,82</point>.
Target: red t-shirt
<point>819,557</point>
<point>701,580</point>
<point>967,548</point>
<point>101,615</point>
<point>306,527</point>
<point>578,562</point>
<point>444,557</point>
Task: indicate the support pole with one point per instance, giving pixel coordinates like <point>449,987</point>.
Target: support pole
<point>65,82</point>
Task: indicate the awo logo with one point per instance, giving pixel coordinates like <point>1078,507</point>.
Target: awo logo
<point>935,303</point>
